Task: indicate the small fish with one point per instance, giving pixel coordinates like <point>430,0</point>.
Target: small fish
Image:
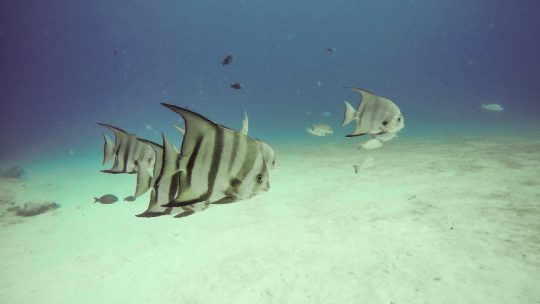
<point>130,198</point>
<point>237,85</point>
<point>371,144</point>
<point>227,60</point>
<point>331,49</point>
<point>106,199</point>
<point>367,163</point>
<point>115,51</point>
<point>320,130</point>
<point>492,107</point>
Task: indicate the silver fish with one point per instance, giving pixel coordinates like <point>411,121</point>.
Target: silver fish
<point>375,115</point>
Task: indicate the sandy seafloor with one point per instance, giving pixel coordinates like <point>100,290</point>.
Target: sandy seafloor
<point>435,220</point>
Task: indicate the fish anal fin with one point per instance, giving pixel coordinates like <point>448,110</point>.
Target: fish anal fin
<point>153,213</point>
<point>183,203</point>
<point>354,135</point>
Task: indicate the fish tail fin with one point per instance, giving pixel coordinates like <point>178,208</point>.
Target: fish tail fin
<point>108,149</point>
<point>96,199</point>
<point>349,114</point>
<point>356,168</point>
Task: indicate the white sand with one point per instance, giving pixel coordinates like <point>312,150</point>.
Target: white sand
<point>445,221</point>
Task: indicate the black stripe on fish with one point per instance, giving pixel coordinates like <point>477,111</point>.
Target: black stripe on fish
<point>191,160</point>
<point>126,155</point>
<point>216,160</point>
<point>236,144</point>
<point>248,161</point>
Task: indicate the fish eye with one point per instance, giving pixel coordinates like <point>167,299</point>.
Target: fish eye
<point>385,123</point>
<point>259,178</point>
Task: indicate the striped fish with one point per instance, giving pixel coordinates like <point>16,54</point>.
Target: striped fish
<point>166,174</point>
<point>131,156</point>
<point>375,115</point>
<point>216,165</point>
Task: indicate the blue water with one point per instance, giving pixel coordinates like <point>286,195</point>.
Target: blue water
<point>437,60</point>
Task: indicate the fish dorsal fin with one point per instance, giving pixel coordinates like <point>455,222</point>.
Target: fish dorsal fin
<point>117,131</point>
<point>245,124</point>
<point>367,96</point>
<point>360,90</point>
<point>150,143</point>
<point>196,124</point>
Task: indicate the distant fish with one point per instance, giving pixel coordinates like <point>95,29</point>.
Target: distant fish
<point>371,144</point>
<point>106,199</point>
<point>492,107</point>
<point>115,51</point>
<point>331,49</point>
<point>130,198</point>
<point>320,130</point>
<point>227,60</point>
<point>236,85</point>
<point>375,115</point>
<point>368,162</point>
<point>326,114</point>
<point>132,155</point>
<point>385,136</point>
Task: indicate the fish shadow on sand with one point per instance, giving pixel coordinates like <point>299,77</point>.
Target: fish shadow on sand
<point>13,172</point>
<point>33,209</point>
